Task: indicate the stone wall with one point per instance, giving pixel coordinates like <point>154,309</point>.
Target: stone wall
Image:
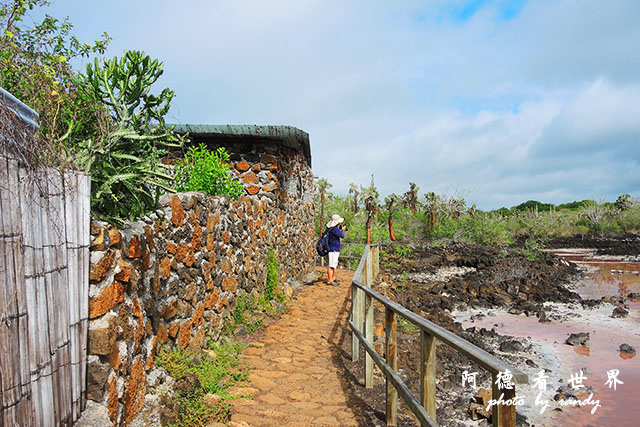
<point>175,277</point>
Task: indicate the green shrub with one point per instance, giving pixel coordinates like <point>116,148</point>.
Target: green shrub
<point>271,290</point>
<point>207,171</point>
<point>532,250</point>
<point>244,313</point>
<point>215,375</point>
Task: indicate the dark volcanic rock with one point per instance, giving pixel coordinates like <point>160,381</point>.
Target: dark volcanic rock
<point>590,303</point>
<point>564,392</point>
<point>531,363</point>
<point>626,348</point>
<point>612,245</point>
<point>511,346</point>
<point>617,299</point>
<point>542,317</point>
<point>581,338</point>
<point>619,312</point>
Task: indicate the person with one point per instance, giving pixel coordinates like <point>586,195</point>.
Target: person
<point>336,232</point>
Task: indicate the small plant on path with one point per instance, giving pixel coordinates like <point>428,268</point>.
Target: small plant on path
<point>215,375</point>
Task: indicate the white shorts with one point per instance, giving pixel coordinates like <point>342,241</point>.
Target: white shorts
<point>333,259</point>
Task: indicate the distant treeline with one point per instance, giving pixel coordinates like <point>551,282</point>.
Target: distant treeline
<point>444,218</point>
<point>535,206</point>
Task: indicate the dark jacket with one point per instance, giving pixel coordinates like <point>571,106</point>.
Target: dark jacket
<point>335,234</point>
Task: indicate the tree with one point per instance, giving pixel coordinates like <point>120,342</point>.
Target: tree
<point>594,213</point>
<point>390,201</point>
<point>34,67</point>
<point>322,185</point>
<point>106,122</point>
<point>431,206</point>
<point>371,203</point>
<point>623,202</point>
<point>353,189</point>
<point>411,197</point>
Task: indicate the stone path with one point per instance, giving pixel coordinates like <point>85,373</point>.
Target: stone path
<point>297,367</point>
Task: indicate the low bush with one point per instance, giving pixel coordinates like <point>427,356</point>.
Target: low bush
<point>207,171</point>
<point>215,375</point>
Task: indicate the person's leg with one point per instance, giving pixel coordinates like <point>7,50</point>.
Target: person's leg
<point>333,264</point>
<point>331,274</point>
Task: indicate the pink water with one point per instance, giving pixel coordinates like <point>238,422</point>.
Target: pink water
<point>620,407</point>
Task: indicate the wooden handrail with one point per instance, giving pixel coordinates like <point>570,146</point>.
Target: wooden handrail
<point>425,409</point>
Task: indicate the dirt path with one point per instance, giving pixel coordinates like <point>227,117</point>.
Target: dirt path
<point>299,377</point>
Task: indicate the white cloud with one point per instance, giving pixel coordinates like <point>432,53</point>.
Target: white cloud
<point>542,105</point>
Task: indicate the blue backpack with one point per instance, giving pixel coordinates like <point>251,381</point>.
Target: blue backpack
<point>322,247</point>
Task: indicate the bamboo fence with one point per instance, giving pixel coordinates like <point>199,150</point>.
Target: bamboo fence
<point>44,286</point>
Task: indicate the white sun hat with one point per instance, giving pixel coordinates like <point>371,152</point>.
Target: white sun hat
<point>335,220</point>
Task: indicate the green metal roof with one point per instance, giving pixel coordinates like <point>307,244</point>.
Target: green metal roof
<point>286,135</point>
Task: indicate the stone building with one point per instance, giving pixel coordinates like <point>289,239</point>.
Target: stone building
<point>175,277</point>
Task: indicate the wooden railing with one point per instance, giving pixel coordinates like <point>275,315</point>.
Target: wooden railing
<point>349,255</point>
<point>361,323</point>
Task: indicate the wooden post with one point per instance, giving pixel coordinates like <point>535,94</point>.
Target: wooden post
<point>369,268</point>
<point>503,415</point>
<point>355,344</point>
<point>428,373</point>
<point>376,261</point>
<point>368,328</point>
<point>391,351</point>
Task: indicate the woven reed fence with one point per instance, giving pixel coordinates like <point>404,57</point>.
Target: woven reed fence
<point>44,285</point>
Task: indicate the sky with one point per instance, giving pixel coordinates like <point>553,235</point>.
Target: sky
<point>498,102</point>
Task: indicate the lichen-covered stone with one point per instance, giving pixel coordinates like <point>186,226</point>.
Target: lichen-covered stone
<point>111,296</point>
<point>184,335</point>
<point>162,334</point>
<point>101,241</point>
<point>136,389</point>
<point>198,313</point>
<point>250,178</point>
<point>112,398</point>
<point>135,251</point>
<point>114,358</point>
<point>124,275</point>
<point>114,236</point>
<point>99,271</point>
<point>177,211</point>
<point>242,166</point>
<point>182,251</point>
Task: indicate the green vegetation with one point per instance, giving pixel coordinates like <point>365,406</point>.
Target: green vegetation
<point>35,67</point>
<point>214,375</point>
<point>208,171</point>
<point>532,250</point>
<point>403,251</point>
<point>406,326</point>
<point>271,290</point>
<point>127,175</point>
<point>106,122</point>
<point>246,313</point>
<point>445,218</point>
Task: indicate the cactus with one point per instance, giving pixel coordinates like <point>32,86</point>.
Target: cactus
<point>125,158</point>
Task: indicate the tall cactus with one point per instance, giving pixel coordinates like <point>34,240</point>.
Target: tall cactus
<point>127,174</point>
<point>390,201</point>
<point>353,189</point>
<point>125,85</point>
<point>411,197</point>
<point>371,203</point>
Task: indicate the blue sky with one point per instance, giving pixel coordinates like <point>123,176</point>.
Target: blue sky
<point>497,101</point>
